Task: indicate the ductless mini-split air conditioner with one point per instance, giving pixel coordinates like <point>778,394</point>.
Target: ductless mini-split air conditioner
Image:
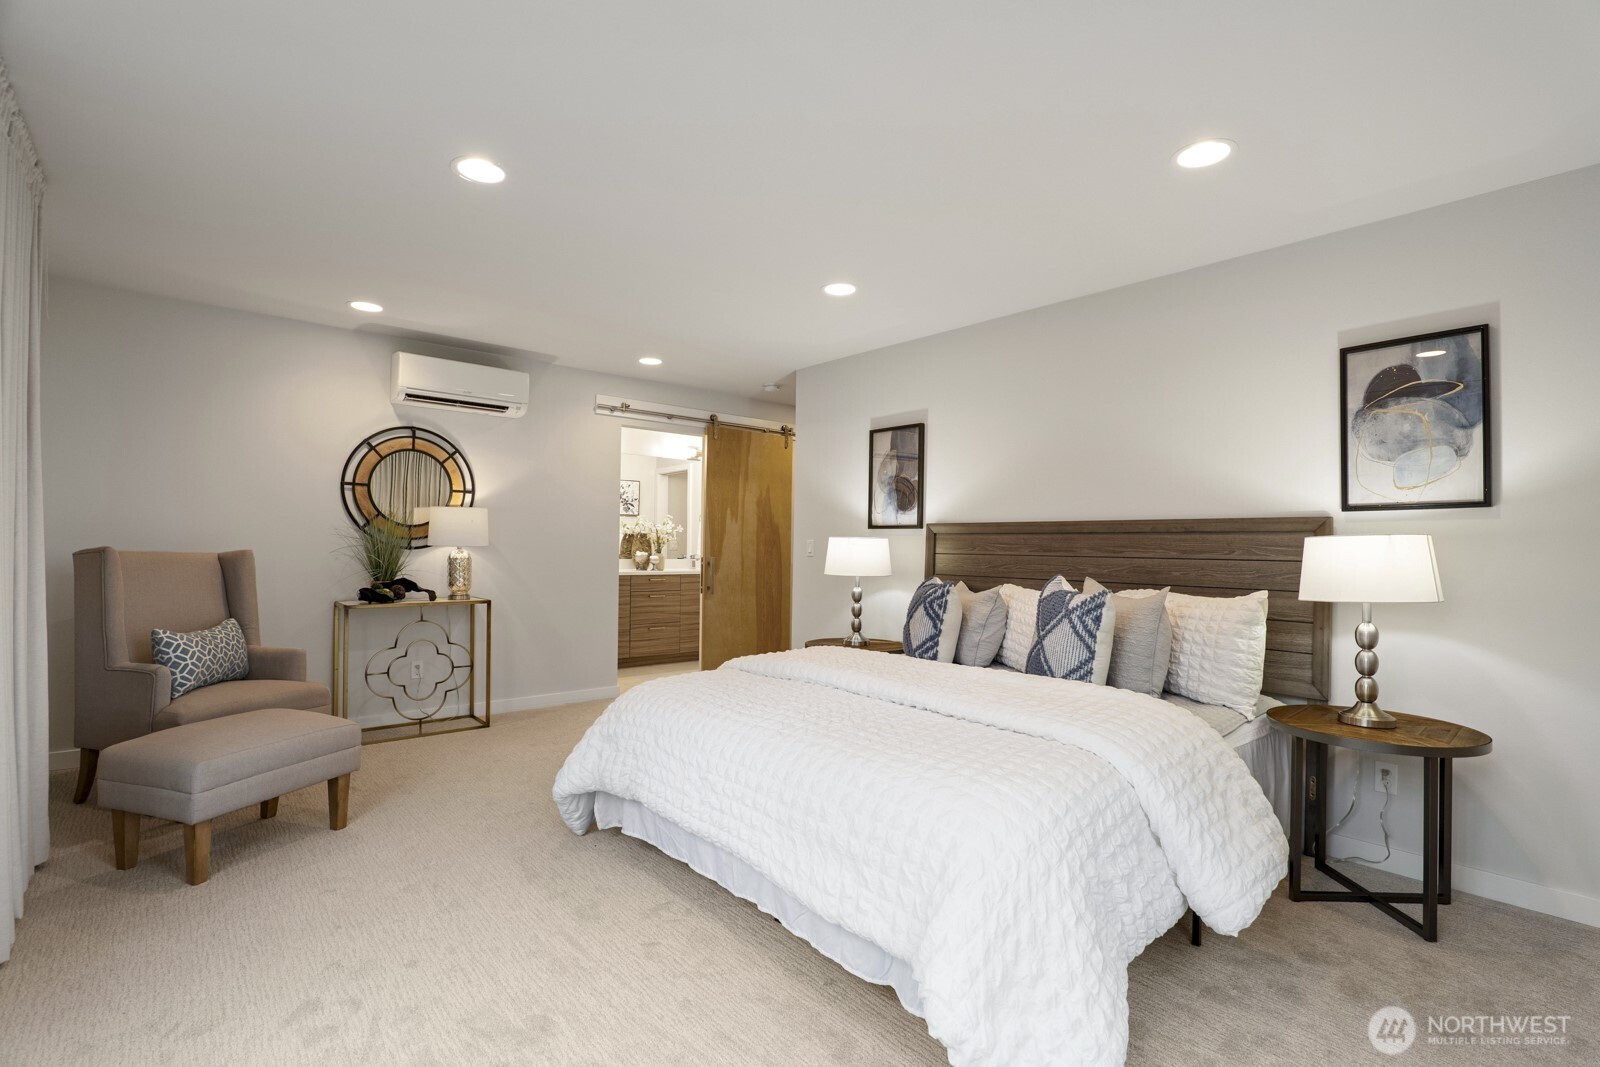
<point>424,381</point>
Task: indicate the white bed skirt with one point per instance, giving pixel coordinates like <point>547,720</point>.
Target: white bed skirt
<point>858,956</point>
<point>1265,751</point>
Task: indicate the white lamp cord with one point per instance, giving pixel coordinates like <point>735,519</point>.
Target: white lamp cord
<point>1383,823</point>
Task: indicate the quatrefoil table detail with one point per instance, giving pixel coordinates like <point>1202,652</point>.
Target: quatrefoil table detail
<point>422,669</point>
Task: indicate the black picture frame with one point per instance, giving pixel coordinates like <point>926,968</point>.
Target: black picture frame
<point>1414,423</point>
<point>895,487</point>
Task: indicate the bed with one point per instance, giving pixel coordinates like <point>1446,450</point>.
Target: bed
<point>994,846</point>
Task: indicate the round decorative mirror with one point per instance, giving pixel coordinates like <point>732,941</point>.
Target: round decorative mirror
<point>393,472</point>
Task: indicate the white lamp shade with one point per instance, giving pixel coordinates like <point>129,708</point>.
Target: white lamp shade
<point>1381,569</point>
<point>857,557</point>
<point>462,527</point>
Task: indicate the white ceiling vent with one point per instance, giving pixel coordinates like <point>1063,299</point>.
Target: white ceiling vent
<point>423,381</point>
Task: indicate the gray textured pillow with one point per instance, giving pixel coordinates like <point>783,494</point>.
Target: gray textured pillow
<point>1142,649</point>
<point>202,658</point>
<point>983,625</point>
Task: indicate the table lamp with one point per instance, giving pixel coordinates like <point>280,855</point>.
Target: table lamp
<point>1382,569</point>
<point>463,527</point>
<point>857,557</point>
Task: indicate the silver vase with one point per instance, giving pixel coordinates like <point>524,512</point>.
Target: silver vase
<point>656,563</point>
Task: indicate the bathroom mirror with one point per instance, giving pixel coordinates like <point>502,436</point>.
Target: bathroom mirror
<point>393,472</point>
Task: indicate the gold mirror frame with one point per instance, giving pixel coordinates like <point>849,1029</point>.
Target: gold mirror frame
<point>414,468</point>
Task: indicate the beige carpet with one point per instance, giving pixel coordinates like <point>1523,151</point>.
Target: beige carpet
<point>457,921</point>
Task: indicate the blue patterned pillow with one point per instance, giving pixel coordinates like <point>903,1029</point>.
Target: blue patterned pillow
<point>933,622</point>
<point>1072,629</point>
<point>204,657</point>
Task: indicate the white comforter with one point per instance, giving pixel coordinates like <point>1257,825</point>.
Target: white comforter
<point>1016,840</point>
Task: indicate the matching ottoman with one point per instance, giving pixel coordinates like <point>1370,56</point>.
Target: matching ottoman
<point>191,774</point>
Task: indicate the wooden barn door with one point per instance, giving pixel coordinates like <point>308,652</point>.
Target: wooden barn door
<point>744,578</point>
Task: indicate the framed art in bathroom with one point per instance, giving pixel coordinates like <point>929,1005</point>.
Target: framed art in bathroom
<point>630,498</point>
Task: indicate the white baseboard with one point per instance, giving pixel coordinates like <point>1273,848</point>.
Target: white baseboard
<point>1561,903</point>
<point>512,705</point>
<point>66,759</point>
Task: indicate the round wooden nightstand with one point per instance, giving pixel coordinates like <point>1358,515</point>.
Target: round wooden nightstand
<point>874,644</point>
<point>1313,727</point>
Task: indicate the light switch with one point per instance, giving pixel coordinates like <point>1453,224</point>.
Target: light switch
<point>811,547</point>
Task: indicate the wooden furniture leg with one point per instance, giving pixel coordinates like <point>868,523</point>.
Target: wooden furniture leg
<point>269,808</point>
<point>125,839</point>
<point>338,802</point>
<point>197,852</point>
<point>88,759</point>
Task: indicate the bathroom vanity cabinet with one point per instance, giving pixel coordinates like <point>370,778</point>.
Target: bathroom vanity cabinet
<point>658,617</point>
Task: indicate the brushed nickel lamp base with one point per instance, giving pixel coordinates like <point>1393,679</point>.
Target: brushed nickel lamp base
<point>856,640</point>
<point>1365,711</point>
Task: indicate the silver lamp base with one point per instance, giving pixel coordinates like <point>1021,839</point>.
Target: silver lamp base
<point>459,573</point>
<point>856,640</point>
<point>1365,711</point>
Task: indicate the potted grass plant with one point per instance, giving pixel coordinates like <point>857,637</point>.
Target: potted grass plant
<point>382,549</point>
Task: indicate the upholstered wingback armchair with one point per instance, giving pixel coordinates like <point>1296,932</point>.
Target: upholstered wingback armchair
<point>121,693</point>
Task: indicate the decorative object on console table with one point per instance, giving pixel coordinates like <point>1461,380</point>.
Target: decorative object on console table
<point>422,668</point>
<point>1415,422</point>
<point>857,557</point>
<point>1312,728</point>
<point>870,644</point>
<point>464,528</point>
<point>894,477</point>
<point>1377,569</point>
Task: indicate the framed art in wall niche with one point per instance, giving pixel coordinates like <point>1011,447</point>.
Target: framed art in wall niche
<point>630,498</point>
<point>894,477</point>
<point>1414,420</point>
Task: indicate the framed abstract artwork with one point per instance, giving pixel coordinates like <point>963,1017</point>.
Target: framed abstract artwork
<point>1414,421</point>
<point>894,477</point>
<point>630,498</point>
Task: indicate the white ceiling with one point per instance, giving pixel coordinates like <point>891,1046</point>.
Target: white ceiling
<point>685,176</point>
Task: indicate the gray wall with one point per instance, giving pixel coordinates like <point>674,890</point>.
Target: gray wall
<point>180,426</point>
<point>1215,393</point>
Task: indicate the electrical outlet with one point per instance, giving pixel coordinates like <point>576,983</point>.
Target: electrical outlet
<point>1387,778</point>
<point>416,669</point>
<point>811,547</point>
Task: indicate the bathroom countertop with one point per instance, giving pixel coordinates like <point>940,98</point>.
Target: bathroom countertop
<point>674,566</point>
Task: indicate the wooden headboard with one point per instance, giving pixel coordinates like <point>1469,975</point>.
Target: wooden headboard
<point>1206,557</point>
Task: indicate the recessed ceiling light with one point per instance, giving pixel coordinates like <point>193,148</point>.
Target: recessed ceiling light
<point>480,170</point>
<point>1204,154</point>
<point>650,361</point>
<point>838,288</point>
<point>366,305</point>
<point>1434,352</point>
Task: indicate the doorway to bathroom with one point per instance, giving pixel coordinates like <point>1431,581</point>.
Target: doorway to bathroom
<point>660,520</point>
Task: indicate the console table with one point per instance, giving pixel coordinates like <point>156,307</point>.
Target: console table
<point>424,666</point>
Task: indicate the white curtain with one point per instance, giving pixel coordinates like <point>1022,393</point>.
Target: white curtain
<point>24,714</point>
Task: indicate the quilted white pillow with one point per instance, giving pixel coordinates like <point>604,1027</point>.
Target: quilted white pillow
<point>1022,623</point>
<point>1219,649</point>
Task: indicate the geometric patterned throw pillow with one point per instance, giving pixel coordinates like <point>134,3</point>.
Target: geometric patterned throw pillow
<point>203,657</point>
<point>1069,632</point>
<point>933,622</point>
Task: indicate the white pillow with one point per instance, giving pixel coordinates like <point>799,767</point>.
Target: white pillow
<point>1219,649</point>
<point>1022,621</point>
